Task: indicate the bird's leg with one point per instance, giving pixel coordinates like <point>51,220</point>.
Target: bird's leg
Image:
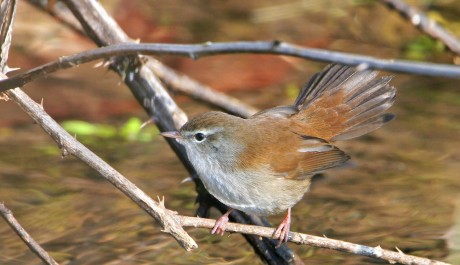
<point>219,226</point>
<point>283,229</point>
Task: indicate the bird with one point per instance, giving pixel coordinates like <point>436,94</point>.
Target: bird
<point>263,165</point>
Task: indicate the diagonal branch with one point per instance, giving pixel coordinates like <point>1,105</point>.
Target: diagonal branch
<point>22,233</point>
<point>424,23</point>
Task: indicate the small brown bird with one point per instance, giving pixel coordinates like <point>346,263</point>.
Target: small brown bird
<point>263,165</point>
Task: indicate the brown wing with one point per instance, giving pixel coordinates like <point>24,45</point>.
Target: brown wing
<point>313,156</point>
<point>287,153</point>
<point>342,102</point>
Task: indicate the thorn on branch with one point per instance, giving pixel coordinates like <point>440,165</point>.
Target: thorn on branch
<point>4,97</point>
<point>8,69</point>
<point>379,251</point>
<point>99,64</point>
<point>64,152</point>
<point>108,62</point>
<point>145,123</point>
<point>161,201</point>
<point>189,179</point>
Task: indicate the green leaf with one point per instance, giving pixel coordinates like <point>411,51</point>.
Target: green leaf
<point>83,128</point>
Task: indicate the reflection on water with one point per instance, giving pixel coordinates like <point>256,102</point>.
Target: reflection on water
<point>402,192</point>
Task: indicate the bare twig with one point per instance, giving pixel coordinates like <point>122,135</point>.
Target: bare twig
<point>22,233</point>
<point>322,242</point>
<point>424,23</point>
<point>196,51</point>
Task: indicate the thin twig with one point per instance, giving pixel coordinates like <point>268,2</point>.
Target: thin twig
<point>196,51</point>
<point>22,233</point>
<point>424,23</point>
<point>322,242</point>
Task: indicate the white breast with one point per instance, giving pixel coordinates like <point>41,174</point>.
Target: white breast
<point>245,192</point>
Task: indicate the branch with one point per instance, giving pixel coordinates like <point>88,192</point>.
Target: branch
<point>424,23</point>
<point>322,242</point>
<point>196,51</point>
<point>22,233</point>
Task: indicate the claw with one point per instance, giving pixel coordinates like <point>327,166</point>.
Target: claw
<point>282,232</point>
<point>219,226</point>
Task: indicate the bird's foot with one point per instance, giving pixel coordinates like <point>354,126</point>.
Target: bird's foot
<point>221,223</point>
<point>282,232</point>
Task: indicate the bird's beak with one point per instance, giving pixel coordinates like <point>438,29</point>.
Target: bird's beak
<point>174,134</point>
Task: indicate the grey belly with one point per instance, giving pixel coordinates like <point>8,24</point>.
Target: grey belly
<point>255,197</point>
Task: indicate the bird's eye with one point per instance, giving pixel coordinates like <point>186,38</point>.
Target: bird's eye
<point>199,137</point>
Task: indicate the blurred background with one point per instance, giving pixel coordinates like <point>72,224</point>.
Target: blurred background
<point>404,190</point>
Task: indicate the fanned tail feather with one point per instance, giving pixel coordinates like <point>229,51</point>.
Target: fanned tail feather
<point>341,103</point>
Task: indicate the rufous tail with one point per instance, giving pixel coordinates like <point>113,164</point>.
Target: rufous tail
<point>344,102</point>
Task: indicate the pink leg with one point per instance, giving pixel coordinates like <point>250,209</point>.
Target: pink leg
<point>283,229</point>
<point>219,226</point>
